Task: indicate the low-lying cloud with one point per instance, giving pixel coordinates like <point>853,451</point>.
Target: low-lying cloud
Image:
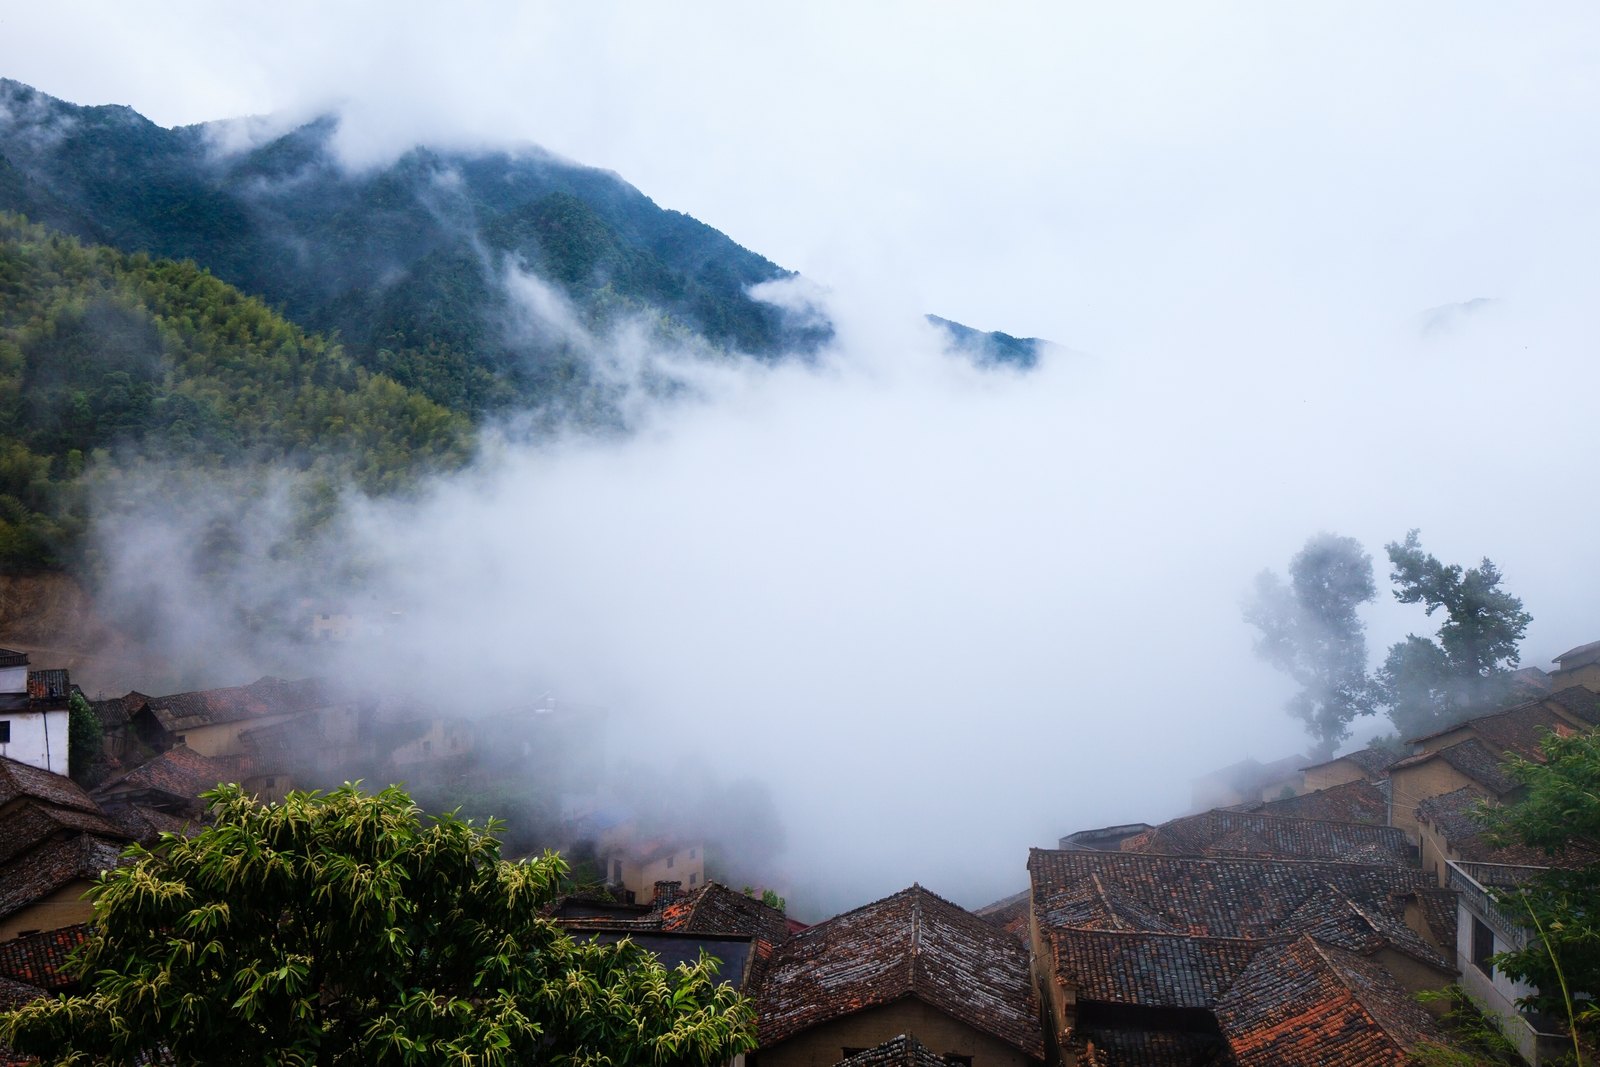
<point>944,614</point>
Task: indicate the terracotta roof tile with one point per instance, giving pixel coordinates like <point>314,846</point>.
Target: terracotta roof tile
<point>1453,816</point>
<point>180,773</point>
<point>40,959</point>
<point>52,866</point>
<point>1357,801</point>
<point>22,780</point>
<point>1233,833</point>
<point>1009,913</point>
<point>263,697</point>
<point>1152,970</point>
<point>1305,1004</point>
<point>715,909</point>
<point>1517,729</point>
<point>145,824</point>
<point>1472,758</point>
<point>1373,760</point>
<point>116,711</point>
<point>911,944</point>
<point>1582,703</point>
<point>1163,930</point>
<point>31,823</point>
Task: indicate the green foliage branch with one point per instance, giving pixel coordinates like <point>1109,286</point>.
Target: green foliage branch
<point>1560,814</point>
<point>348,928</point>
<point>1431,683</point>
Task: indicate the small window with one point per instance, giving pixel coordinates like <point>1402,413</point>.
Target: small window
<point>851,1050</point>
<point>5,731</point>
<point>272,783</point>
<point>691,853</point>
<point>1482,946</point>
<point>693,879</point>
<point>953,1057</point>
<point>616,871</point>
<point>670,860</point>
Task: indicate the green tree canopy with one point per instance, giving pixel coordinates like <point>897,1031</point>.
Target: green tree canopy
<point>350,929</point>
<point>1429,684</point>
<point>1560,814</point>
<point>1309,629</point>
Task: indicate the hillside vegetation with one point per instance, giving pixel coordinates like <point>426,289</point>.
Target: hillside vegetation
<point>123,358</point>
<point>404,263</point>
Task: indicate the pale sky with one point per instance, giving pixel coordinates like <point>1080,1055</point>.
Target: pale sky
<point>961,614</point>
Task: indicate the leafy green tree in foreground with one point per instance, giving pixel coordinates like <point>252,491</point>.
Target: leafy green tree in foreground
<point>351,929</point>
<point>1430,684</point>
<point>1310,631</point>
<point>1561,811</point>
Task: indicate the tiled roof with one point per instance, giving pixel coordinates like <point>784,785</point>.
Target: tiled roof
<point>1234,833</point>
<point>1114,966</point>
<point>911,944</point>
<point>180,773</point>
<point>13,995</point>
<point>1454,817</point>
<point>1473,759</point>
<point>1372,760</point>
<point>1009,913</point>
<point>1305,1004</point>
<point>1517,729</point>
<point>40,959</point>
<point>902,1051</point>
<point>51,684</point>
<point>1582,703</point>
<point>30,823</point>
<point>265,696</point>
<point>715,909</point>
<point>21,780</point>
<point>116,711</point>
<point>1357,801</point>
<point>145,824</point>
<point>12,658</point>
<point>1357,906</point>
<point>1582,654</point>
<point>52,866</point>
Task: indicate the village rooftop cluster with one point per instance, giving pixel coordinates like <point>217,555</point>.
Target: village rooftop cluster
<point>1292,919</point>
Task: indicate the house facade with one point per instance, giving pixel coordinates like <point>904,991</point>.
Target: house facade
<point>1484,929</point>
<point>33,713</point>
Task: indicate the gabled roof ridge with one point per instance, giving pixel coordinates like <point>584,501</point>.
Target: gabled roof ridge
<point>1471,724</point>
<point>1136,857</point>
<point>1274,816</point>
<point>1105,899</point>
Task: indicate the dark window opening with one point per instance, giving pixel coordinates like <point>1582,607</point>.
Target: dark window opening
<point>5,731</point>
<point>953,1057</point>
<point>669,862</point>
<point>851,1050</point>
<point>1482,946</point>
<point>693,878</point>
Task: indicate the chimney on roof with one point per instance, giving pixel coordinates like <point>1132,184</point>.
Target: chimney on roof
<point>667,892</point>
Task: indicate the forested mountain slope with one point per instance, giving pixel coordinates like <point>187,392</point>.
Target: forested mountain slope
<point>125,358</point>
<point>404,262</point>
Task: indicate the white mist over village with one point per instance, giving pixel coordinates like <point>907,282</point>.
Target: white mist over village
<point>913,614</point>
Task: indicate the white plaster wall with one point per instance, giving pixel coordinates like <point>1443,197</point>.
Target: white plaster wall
<point>38,739</point>
<point>1496,996</point>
